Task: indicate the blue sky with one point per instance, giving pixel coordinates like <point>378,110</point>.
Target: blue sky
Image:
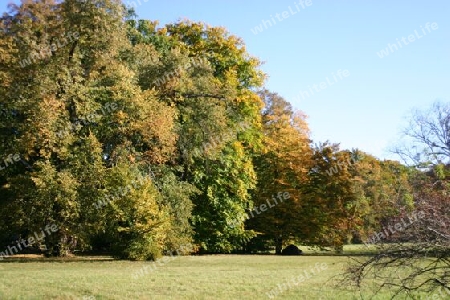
<point>367,108</point>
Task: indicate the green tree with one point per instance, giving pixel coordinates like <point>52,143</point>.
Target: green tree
<point>85,127</point>
<point>207,75</point>
<point>383,190</point>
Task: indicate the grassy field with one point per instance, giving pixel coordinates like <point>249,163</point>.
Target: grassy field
<point>194,277</point>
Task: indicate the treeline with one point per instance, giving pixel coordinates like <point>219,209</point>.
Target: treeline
<point>191,148</point>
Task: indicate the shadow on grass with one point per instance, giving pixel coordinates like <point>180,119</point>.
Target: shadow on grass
<point>41,258</point>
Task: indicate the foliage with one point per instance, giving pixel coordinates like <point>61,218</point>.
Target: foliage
<point>207,76</point>
<point>281,167</point>
<point>425,237</point>
<point>85,128</point>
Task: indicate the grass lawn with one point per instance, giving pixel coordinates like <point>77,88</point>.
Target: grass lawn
<point>192,277</point>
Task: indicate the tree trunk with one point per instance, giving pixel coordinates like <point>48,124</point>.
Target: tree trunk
<point>56,245</point>
<point>278,245</point>
<point>339,249</point>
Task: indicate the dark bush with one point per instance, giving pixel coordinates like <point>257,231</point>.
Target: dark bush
<point>291,250</point>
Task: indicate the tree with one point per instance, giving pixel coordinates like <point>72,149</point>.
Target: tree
<point>419,250</point>
<point>281,167</point>
<point>426,140</point>
<point>85,129</point>
<point>330,201</point>
<point>207,75</point>
<point>382,189</point>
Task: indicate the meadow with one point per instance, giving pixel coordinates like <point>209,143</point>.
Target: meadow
<point>311,276</point>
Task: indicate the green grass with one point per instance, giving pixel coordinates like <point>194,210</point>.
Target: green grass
<point>192,277</point>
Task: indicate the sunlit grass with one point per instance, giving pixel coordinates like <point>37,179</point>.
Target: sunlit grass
<point>194,277</point>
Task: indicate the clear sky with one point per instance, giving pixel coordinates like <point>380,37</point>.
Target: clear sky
<point>306,49</point>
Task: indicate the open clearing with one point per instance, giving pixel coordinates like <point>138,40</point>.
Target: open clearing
<point>188,277</point>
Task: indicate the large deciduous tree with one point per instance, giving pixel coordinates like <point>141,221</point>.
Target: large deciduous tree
<point>85,128</point>
<point>282,167</point>
<point>207,75</point>
<point>330,201</point>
